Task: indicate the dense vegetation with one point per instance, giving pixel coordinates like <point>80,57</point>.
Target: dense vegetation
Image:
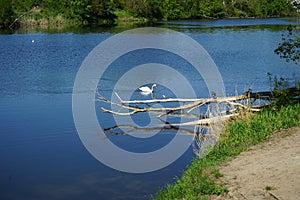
<point>289,48</point>
<point>201,178</point>
<point>37,12</point>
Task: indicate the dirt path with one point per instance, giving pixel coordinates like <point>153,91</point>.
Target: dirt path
<point>267,171</point>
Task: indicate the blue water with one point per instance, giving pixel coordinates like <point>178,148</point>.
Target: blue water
<point>41,154</point>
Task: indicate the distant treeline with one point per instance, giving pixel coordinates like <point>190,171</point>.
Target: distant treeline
<point>38,12</point>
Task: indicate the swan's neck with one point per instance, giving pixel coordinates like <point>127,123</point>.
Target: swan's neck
<point>152,87</point>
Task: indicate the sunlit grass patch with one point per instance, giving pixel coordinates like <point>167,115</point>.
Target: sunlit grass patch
<point>201,178</point>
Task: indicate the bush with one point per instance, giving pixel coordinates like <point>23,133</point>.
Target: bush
<point>6,13</point>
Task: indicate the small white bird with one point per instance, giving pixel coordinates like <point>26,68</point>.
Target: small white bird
<point>145,90</point>
<point>32,41</point>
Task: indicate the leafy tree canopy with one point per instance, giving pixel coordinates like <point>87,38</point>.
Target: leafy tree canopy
<point>289,48</point>
<point>95,11</point>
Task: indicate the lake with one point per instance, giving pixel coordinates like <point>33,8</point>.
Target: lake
<point>42,156</point>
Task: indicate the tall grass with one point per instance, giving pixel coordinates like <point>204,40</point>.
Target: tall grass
<point>201,178</point>
<point>43,21</point>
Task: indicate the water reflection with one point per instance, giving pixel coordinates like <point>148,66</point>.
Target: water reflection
<point>274,24</point>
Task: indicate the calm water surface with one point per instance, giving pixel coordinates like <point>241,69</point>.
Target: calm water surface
<point>41,154</point>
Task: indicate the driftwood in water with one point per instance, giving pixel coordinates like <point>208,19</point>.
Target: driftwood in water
<point>205,128</point>
<point>133,107</point>
<point>228,107</point>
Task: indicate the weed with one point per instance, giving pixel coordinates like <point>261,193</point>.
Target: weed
<point>268,188</point>
<point>216,172</point>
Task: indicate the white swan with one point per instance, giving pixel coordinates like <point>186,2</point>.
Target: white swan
<point>145,90</point>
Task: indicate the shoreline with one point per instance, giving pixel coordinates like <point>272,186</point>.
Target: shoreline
<point>203,178</point>
<point>58,22</point>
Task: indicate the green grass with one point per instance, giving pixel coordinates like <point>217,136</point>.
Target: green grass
<point>125,17</point>
<point>201,178</point>
<point>268,188</point>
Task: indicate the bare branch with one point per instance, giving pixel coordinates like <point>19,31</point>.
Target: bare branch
<point>207,121</point>
<point>200,100</point>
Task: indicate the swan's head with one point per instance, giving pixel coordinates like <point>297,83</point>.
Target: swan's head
<point>154,85</point>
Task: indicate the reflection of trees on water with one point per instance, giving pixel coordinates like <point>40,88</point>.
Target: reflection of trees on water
<point>128,129</point>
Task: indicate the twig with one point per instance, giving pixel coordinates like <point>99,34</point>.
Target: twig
<point>243,196</point>
<point>195,107</point>
<point>273,195</point>
<point>118,96</point>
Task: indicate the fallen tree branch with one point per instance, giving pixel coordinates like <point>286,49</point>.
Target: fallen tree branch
<point>191,105</point>
<point>207,121</point>
<point>228,107</point>
<point>200,100</point>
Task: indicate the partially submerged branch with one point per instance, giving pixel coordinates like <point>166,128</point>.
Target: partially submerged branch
<point>227,107</point>
<point>187,104</point>
<point>207,121</point>
<point>205,128</point>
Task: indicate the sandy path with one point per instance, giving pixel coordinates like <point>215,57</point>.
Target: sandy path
<point>274,164</point>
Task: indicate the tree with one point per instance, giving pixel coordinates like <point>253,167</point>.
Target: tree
<point>151,9</point>
<point>173,9</point>
<point>296,4</point>
<point>289,48</point>
<point>6,13</point>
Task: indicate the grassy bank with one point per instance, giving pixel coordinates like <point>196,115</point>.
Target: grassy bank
<point>107,13</point>
<point>37,19</point>
<point>125,18</point>
<point>201,178</point>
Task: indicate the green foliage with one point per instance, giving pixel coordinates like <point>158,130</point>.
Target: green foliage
<point>216,173</point>
<point>102,11</point>
<point>275,83</point>
<point>173,9</point>
<point>268,188</point>
<point>148,8</point>
<point>79,11</point>
<point>289,48</point>
<point>6,13</point>
<point>199,180</point>
<point>211,9</point>
<point>21,6</point>
<point>281,93</point>
<point>87,11</point>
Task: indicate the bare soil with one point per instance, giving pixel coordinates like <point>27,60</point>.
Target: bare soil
<point>267,171</point>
